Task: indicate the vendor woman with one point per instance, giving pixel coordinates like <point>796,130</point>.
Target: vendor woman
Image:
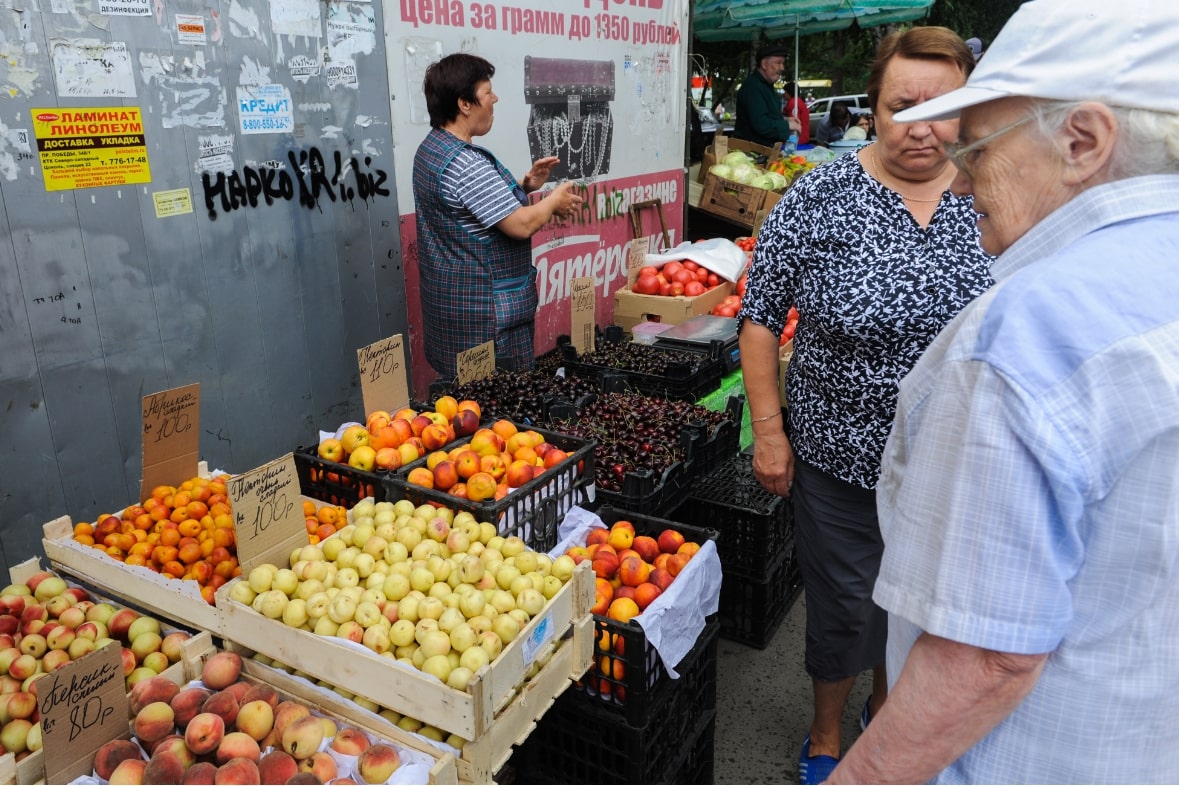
<point>475,224</point>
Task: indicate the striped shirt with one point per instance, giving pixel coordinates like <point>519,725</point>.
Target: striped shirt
<point>477,193</point>
<point>1029,493</point>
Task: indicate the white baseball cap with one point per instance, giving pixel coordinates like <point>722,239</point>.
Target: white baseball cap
<point>1119,52</point>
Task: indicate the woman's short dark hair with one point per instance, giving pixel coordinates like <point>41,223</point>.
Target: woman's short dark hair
<point>840,115</point>
<point>451,78</point>
<point>920,43</point>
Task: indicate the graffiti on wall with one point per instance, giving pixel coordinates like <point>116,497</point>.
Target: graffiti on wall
<point>309,178</point>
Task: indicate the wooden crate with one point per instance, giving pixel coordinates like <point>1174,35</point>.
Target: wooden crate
<point>174,599</point>
<point>7,769</point>
<point>482,758</point>
<point>201,648</point>
<point>359,670</point>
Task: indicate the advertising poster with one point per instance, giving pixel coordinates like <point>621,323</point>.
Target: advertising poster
<point>599,83</point>
<point>91,147</point>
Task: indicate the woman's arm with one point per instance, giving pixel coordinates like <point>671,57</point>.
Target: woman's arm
<point>523,223</point>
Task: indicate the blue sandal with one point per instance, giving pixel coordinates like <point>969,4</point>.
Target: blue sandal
<point>814,769</point>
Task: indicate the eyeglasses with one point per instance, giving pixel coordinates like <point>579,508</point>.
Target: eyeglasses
<point>958,152</point>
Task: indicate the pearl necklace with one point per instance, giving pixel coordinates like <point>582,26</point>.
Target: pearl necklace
<point>876,173</point>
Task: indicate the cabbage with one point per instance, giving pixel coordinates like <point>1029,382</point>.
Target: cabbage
<point>721,170</point>
<point>763,181</point>
<point>744,173</point>
<point>736,158</point>
<point>780,180</point>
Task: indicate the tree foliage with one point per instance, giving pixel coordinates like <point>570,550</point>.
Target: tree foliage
<point>843,56</point>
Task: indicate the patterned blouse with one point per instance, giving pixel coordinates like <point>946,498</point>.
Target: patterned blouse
<point>872,289</point>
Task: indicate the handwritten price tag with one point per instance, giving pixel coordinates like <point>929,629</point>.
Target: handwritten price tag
<point>581,314</point>
<point>636,257</point>
<point>83,705</point>
<point>267,508</point>
<point>475,363</point>
<point>383,383</point>
<point>171,436</point>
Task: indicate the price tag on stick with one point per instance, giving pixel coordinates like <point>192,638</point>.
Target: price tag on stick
<point>83,705</point>
<point>267,508</point>
<point>581,312</point>
<point>383,384</point>
<point>171,437</point>
<point>636,257</point>
<point>475,363</point>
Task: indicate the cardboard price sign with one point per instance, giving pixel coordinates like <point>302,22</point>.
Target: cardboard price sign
<point>171,437</point>
<point>636,257</point>
<point>83,705</point>
<point>267,507</point>
<point>383,384</point>
<point>581,312</point>
<point>475,363</point>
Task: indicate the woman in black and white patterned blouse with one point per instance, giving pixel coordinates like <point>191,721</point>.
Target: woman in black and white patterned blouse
<point>878,256</point>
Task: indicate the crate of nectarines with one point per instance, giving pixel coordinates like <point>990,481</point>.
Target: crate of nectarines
<point>657,585</point>
<point>521,478</point>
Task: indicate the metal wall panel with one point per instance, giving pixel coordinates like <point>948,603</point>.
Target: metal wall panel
<point>103,301</point>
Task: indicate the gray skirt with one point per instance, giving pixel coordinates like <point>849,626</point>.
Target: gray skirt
<point>837,535</point>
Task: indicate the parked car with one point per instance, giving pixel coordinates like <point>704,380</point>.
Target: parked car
<point>822,107</point>
<point>710,125</point>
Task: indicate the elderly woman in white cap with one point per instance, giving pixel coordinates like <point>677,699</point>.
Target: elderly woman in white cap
<point>1029,495</point>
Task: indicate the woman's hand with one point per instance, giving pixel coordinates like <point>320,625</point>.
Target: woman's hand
<point>539,174</point>
<point>565,203</point>
<point>773,462</point>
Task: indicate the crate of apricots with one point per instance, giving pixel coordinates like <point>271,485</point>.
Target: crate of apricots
<point>521,478</point>
<point>167,554</point>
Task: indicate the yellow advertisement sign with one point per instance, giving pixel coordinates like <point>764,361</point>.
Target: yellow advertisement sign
<point>91,147</point>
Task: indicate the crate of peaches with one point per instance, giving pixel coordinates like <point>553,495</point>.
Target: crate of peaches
<point>521,479</point>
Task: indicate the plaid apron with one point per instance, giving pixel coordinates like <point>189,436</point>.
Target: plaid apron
<point>473,289</point>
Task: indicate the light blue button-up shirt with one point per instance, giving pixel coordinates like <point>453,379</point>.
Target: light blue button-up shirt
<point>1029,497</point>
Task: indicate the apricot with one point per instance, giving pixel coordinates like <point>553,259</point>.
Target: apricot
<point>623,609</point>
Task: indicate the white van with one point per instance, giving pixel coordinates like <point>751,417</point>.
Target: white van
<point>822,107</point>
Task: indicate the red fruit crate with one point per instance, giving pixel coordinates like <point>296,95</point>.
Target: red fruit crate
<point>755,527</point>
<point>751,611</point>
<point>627,671</point>
<point>531,511</point>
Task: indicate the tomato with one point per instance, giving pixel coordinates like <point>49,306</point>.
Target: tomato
<point>724,311</point>
<point>670,269</point>
<point>713,280</point>
<point>788,332</point>
<point>648,270</point>
<point>702,275</point>
<point>792,315</point>
<point>742,282</point>
<point>693,288</point>
<point>690,265</point>
<point>677,289</point>
<point>683,276</point>
<point>664,289</point>
<point>646,285</point>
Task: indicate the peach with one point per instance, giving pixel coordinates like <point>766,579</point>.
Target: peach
<point>645,593</point>
<point>111,754</point>
<point>605,564</point>
<point>646,547</point>
<point>670,540</point>
<point>486,442</point>
<point>256,718</point>
<point>173,645</point>
<point>435,436</point>
<point>302,738</point>
<point>554,457</point>
<point>321,765</point>
<point>20,705</point>
<point>350,741</point>
<point>286,713</point>
<point>237,771</point>
<point>420,476</point>
<point>237,745</point>
<point>15,735</point>
<point>689,549</point>
<point>204,732</point>
<point>677,563</point>
<point>175,743</point>
<point>623,609</point>
<point>445,475</point>
<point>518,473</point>
<point>603,595</point>
<point>239,689</point>
<point>660,577</point>
<point>261,692</point>
<point>465,422</point>
<point>597,535</point>
<point>204,772</point>
<point>187,704</point>
<point>388,458</point>
<point>155,721</point>
<point>633,571</point>
<point>224,704</point>
<point>466,463</point>
<point>152,690</point>
<point>120,623</point>
<point>378,763</point>
<point>621,537</point>
<point>493,466</point>
<point>221,670</point>
<point>164,767</point>
<point>54,659</point>
<point>131,771</point>
<point>278,766</point>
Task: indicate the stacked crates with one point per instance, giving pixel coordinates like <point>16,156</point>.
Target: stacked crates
<point>756,547</point>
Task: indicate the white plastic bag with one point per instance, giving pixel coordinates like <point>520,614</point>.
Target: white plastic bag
<point>718,254</point>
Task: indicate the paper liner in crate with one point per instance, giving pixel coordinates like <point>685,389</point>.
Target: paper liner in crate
<point>674,620</point>
<point>718,254</point>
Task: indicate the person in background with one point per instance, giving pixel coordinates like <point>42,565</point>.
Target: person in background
<point>864,122</point>
<point>834,125</point>
<point>795,107</point>
<point>877,255</point>
<point>1028,498</point>
<point>759,109</point>
<point>474,224</point>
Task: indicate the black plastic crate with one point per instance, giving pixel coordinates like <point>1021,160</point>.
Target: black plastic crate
<point>699,755</point>
<point>751,611</point>
<point>632,695</point>
<point>531,511</point>
<point>755,526</point>
<point>689,375</point>
<point>519,396</point>
<point>336,483</point>
<point>579,741</point>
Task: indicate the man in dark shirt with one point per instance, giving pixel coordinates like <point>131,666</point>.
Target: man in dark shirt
<point>759,107</point>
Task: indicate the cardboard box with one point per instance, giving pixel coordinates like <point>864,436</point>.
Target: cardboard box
<point>630,309</point>
<point>784,354</point>
<point>355,668</point>
<point>723,145</point>
<point>736,202</point>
